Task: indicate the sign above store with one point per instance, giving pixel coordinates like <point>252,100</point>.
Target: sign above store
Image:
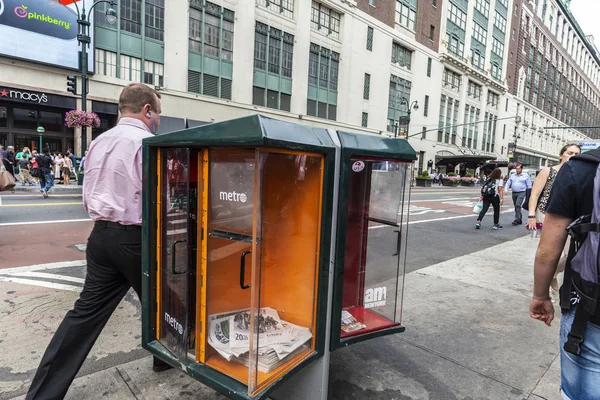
<point>39,98</point>
<point>36,98</point>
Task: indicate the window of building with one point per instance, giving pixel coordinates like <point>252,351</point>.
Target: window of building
<point>479,33</point>
<point>398,101</point>
<point>367,86</point>
<point>217,22</point>
<point>426,106</point>
<point>474,90</point>
<point>483,6</point>
<point>493,99</point>
<point>154,73</point>
<point>516,11</point>
<point>496,71</point>
<point>211,36</point>
<point>448,120</point>
<point>406,11</point>
<point>401,55</point>
<point>372,3</point>
<point>369,38</point>
<point>106,63</point>
<point>504,3</point>
<point>457,16</point>
<point>455,45</point>
<point>365,120</point>
<point>429,61</point>
<point>325,20</point>
<point>155,19</point>
<point>283,7</point>
<point>424,133</point>
<point>477,59</point>
<point>273,59</point>
<point>497,47</point>
<point>431,32</point>
<point>323,67</point>
<point>131,68</point>
<point>451,79</point>
<point>131,16</point>
<point>499,21</point>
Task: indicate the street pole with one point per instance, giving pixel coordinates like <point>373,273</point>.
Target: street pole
<point>83,38</point>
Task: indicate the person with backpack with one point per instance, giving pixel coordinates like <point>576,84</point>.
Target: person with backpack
<point>574,210</point>
<point>491,193</point>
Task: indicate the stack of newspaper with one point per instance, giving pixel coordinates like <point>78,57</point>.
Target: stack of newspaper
<point>275,339</point>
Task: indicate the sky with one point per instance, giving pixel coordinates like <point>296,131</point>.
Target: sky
<point>586,13</point>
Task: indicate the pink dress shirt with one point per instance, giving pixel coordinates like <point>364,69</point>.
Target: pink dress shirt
<point>112,188</point>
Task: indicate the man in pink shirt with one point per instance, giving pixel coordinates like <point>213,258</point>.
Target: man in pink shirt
<point>112,195</point>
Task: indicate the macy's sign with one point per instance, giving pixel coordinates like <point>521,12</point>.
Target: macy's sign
<point>24,96</point>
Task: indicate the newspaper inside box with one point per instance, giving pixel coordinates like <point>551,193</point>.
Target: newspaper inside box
<point>239,237</point>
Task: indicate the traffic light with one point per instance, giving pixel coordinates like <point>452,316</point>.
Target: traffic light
<point>72,84</point>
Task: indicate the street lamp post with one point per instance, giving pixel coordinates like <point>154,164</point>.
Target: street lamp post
<point>41,130</point>
<point>406,118</point>
<point>83,37</point>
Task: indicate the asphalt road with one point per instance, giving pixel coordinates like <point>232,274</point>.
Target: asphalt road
<point>441,227</point>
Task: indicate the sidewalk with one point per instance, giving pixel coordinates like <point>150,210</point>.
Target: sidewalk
<point>469,336</point>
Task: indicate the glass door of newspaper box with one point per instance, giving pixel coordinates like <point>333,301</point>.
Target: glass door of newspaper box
<point>263,256</point>
<point>238,250</point>
<point>374,219</point>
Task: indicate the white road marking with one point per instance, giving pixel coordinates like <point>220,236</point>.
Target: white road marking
<point>462,203</point>
<point>43,267</point>
<point>50,285</point>
<point>422,221</point>
<point>443,199</point>
<point>44,222</point>
<point>44,275</point>
<point>416,210</point>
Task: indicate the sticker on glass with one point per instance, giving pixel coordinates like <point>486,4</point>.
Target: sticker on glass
<point>376,297</point>
<point>358,166</point>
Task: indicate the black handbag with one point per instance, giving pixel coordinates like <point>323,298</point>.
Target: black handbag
<point>35,172</point>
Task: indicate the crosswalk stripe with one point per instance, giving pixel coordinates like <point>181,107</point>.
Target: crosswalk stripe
<point>45,275</point>
<point>34,282</point>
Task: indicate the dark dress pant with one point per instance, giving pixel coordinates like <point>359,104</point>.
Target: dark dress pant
<point>114,263</point>
<point>495,202</point>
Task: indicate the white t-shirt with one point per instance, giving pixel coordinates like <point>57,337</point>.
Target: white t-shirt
<point>499,184</point>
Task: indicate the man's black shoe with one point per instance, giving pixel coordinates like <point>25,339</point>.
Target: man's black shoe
<point>159,365</point>
<point>516,222</point>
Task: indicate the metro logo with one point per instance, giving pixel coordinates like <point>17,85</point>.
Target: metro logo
<point>233,196</point>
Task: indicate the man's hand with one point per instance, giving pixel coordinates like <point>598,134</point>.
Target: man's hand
<point>542,310</point>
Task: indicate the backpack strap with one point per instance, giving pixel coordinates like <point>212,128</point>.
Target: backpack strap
<point>575,336</point>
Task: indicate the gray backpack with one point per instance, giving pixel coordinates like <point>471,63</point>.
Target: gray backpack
<point>585,264</point>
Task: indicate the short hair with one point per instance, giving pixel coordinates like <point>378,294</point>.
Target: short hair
<point>519,165</point>
<point>135,96</point>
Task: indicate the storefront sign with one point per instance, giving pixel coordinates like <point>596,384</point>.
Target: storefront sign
<point>37,98</point>
<point>24,96</point>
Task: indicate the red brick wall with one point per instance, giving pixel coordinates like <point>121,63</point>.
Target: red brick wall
<point>428,15</point>
<point>384,10</point>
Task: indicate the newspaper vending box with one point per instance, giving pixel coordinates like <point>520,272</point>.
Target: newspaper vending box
<point>241,287</point>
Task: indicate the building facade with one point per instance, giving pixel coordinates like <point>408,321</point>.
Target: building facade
<point>554,80</point>
<point>357,65</point>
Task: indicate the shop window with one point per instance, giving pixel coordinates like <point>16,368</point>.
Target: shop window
<point>3,117</point>
<point>25,119</point>
<point>51,121</point>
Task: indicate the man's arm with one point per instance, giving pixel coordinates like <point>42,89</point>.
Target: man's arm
<point>508,184</point>
<point>528,181</point>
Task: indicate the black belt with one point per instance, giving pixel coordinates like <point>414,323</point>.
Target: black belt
<point>116,225</point>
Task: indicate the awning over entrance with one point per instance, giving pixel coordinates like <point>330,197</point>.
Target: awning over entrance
<point>470,161</point>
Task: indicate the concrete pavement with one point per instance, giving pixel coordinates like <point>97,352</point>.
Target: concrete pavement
<point>469,336</point>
